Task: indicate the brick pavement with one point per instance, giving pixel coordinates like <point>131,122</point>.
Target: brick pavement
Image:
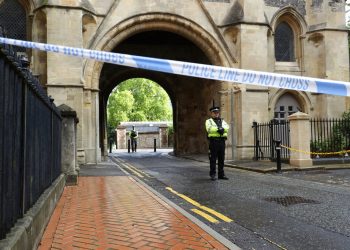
<point>116,212</point>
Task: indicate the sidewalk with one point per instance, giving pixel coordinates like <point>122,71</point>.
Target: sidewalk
<point>118,212</point>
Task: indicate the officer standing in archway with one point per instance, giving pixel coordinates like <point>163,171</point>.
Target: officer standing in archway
<point>133,137</point>
<point>217,130</point>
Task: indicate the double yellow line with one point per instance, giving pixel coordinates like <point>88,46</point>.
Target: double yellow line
<point>203,208</point>
<point>132,169</point>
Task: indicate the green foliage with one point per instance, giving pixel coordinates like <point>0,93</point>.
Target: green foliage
<point>120,104</point>
<point>138,99</point>
<point>338,139</point>
<point>333,144</point>
<point>346,115</point>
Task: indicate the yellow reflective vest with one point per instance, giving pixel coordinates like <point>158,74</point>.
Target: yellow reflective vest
<point>212,128</point>
<point>133,134</point>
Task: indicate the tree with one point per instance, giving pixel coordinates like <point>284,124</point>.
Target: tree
<point>138,99</point>
<point>119,107</point>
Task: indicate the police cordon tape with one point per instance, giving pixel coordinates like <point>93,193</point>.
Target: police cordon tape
<point>315,153</point>
<point>219,73</point>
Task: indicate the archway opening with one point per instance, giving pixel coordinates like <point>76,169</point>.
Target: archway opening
<point>191,97</point>
<point>141,106</point>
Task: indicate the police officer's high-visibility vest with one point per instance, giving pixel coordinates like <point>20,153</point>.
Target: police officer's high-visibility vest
<point>133,134</point>
<point>212,128</point>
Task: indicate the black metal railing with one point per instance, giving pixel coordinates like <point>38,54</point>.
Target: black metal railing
<point>265,136</point>
<point>30,139</point>
<point>329,135</point>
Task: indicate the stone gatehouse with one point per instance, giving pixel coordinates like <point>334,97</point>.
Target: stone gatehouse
<point>299,37</point>
<point>148,133</point>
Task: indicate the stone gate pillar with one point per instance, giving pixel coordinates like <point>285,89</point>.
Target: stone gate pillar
<point>300,136</point>
<point>163,136</point>
<point>69,144</point>
<point>121,137</point>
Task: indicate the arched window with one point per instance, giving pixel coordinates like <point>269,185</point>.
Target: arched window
<point>13,19</point>
<point>286,106</point>
<point>284,43</point>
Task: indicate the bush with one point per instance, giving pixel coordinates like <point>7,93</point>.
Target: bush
<point>337,140</point>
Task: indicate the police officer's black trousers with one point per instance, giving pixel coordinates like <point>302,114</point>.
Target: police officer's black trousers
<point>217,151</point>
<point>133,145</point>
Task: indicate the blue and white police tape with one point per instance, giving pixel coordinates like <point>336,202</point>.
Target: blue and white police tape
<point>265,79</point>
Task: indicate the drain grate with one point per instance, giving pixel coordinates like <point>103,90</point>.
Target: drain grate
<point>290,200</point>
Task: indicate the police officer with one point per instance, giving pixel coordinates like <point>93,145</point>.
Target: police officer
<point>133,134</point>
<point>217,130</point>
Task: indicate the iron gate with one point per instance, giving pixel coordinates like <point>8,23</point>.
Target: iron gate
<point>265,137</point>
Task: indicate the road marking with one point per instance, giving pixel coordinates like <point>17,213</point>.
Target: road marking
<point>217,214</point>
<point>137,170</point>
<point>117,159</point>
<point>205,215</point>
<point>274,243</point>
<point>197,204</point>
<point>132,170</point>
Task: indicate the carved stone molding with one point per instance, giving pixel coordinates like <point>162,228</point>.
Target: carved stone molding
<point>316,39</point>
<point>297,4</point>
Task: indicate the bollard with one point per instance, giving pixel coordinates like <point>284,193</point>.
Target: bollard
<point>278,153</point>
<point>129,146</point>
<point>155,144</point>
<point>110,146</point>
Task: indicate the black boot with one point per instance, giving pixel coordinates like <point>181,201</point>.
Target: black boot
<point>223,177</point>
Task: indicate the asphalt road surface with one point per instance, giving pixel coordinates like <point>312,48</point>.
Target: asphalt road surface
<point>292,210</point>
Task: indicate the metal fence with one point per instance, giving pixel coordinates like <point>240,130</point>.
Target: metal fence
<point>329,135</point>
<point>265,135</point>
<point>330,138</point>
<point>30,139</point>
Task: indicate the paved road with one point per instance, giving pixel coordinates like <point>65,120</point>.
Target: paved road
<point>293,210</point>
